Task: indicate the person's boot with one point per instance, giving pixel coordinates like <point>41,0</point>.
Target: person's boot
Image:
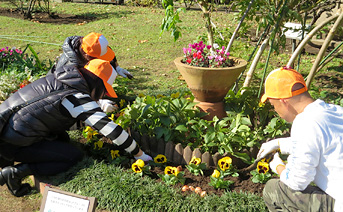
<point>12,176</point>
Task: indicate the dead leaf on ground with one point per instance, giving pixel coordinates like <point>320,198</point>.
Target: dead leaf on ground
<point>142,41</point>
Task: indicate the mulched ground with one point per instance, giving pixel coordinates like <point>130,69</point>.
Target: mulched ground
<point>52,18</point>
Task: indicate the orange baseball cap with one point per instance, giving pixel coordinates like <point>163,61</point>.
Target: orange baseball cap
<point>279,83</point>
<point>96,45</point>
<point>104,70</point>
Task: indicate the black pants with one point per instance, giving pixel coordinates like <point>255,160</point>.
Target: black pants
<point>45,157</point>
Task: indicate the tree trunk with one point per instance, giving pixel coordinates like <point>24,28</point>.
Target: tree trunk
<point>254,63</point>
<point>324,48</point>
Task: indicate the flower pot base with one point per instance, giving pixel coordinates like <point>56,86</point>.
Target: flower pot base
<point>214,109</point>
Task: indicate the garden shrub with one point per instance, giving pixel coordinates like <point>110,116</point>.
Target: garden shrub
<point>175,118</point>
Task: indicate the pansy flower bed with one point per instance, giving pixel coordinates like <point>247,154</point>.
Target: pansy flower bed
<point>177,176</point>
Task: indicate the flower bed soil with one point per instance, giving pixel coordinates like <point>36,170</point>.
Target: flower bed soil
<point>242,183</point>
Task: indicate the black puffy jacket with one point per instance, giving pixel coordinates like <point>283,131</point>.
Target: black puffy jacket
<point>45,118</point>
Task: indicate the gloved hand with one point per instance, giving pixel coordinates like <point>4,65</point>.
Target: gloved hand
<point>284,144</point>
<point>144,157</point>
<point>123,72</point>
<point>267,148</point>
<point>107,105</point>
<point>276,162</point>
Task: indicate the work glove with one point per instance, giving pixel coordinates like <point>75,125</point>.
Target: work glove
<point>144,157</point>
<point>284,144</point>
<point>276,162</point>
<point>123,72</point>
<point>107,105</point>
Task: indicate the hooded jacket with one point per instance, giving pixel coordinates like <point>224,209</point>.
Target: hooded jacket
<point>44,118</point>
<point>71,53</point>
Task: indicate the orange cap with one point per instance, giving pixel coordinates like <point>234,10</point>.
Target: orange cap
<point>279,84</point>
<point>96,45</point>
<point>104,70</point>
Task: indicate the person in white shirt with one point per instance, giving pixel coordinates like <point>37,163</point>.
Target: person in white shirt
<point>311,179</point>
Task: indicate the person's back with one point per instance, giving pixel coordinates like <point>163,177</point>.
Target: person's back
<point>320,130</point>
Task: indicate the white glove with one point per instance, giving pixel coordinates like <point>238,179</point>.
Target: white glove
<point>107,105</point>
<point>144,157</point>
<point>276,162</point>
<point>284,144</point>
<point>123,72</point>
<point>268,147</point>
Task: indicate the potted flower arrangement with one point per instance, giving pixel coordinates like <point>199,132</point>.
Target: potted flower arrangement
<point>209,75</point>
<point>208,69</point>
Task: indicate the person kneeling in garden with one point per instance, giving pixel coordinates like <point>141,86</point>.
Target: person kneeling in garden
<point>315,148</point>
<point>35,135</point>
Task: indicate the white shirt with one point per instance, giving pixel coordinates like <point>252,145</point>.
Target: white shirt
<point>317,151</point>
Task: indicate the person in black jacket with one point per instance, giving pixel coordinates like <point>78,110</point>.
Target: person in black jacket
<point>32,134</point>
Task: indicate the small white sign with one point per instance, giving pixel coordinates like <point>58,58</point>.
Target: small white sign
<point>55,200</point>
<point>60,202</point>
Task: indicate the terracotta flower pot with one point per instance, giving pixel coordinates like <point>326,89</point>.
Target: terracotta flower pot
<point>211,85</point>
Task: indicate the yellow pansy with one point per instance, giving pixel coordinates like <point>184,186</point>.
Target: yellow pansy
<point>140,163</point>
<point>90,132</point>
<point>225,163</point>
<point>136,168</point>
<point>122,102</point>
<point>216,173</point>
<point>195,161</point>
<point>98,144</point>
<point>175,95</point>
<point>89,136</point>
<point>88,129</point>
<point>262,167</point>
<point>114,154</point>
<point>112,117</point>
<point>169,170</point>
<point>160,159</point>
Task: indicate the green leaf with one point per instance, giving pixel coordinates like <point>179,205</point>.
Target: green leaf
<point>182,128</point>
<point>243,156</point>
<point>165,120</point>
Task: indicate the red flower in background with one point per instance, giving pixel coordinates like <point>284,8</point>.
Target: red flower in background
<point>24,83</point>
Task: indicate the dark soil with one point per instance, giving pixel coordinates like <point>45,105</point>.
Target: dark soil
<point>242,183</point>
<point>43,17</point>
